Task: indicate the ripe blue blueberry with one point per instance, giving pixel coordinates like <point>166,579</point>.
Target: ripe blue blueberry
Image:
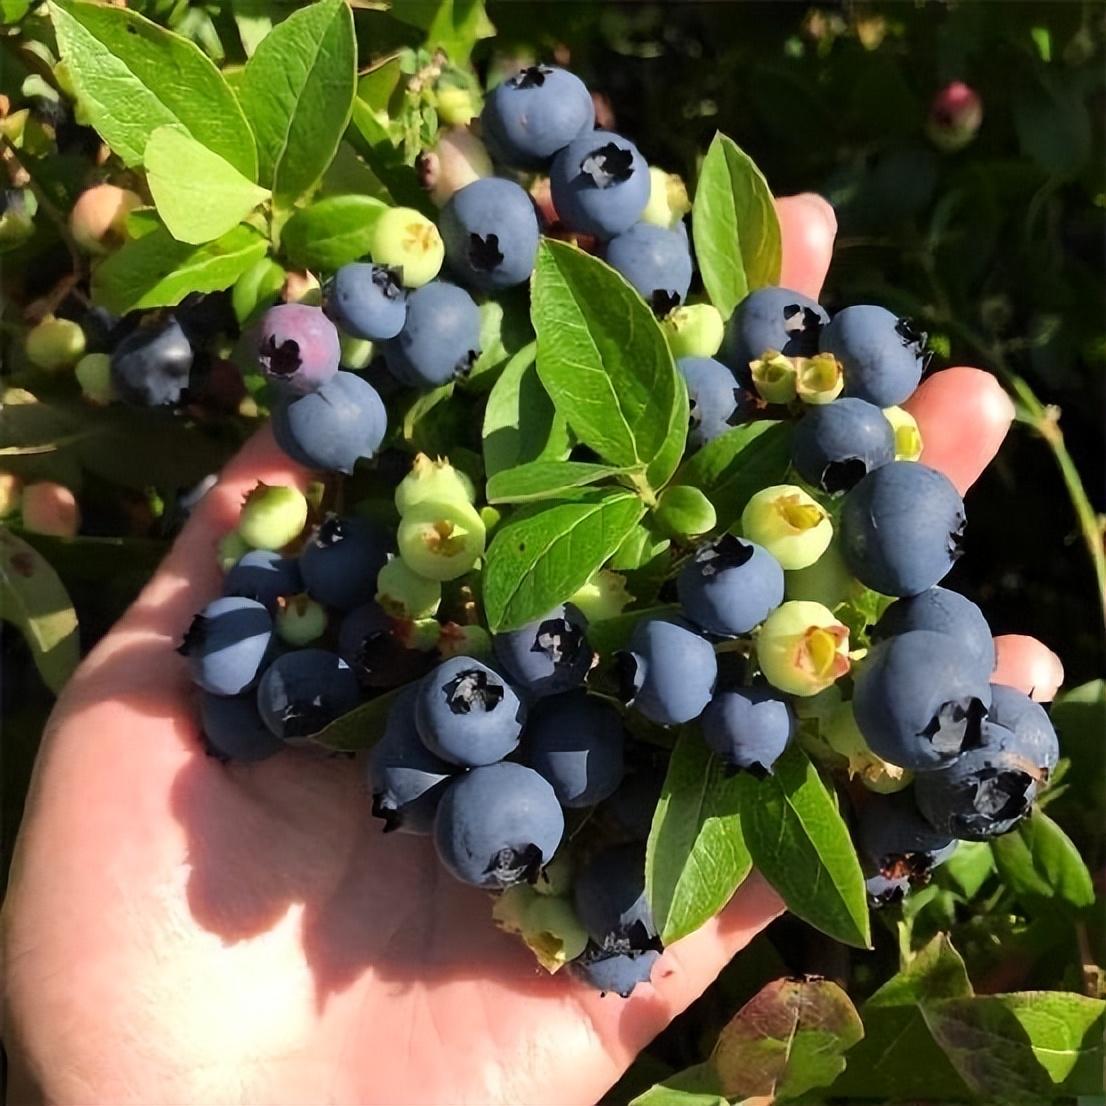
<point>632,806</point>
<point>1030,722</point>
<point>364,639</point>
<point>609,896</point>
<point>775,319</point>
<point>882,355</point>
<point>835,444</point>
<point>467,713</point>
<point>892,834</point>
<point>151,366</point>
<point>668,672</point>
<point>529,117</point>
<point>548,655</point>
<point>333,428</point>
<point>748,728</point>
<point>233,730</point>
<point>367,301</point>
<point>945,612</point>
<point>919,700</point>
<point>406,779</point>
<point>227,644</point>
<point>600,184</point>
<point>730,585</point>
<point>717,402</point>
<point>615,973</point>
<point>340,561</point>
<point>298,348</point>
<point>576,742</point>
<point>263,575</point>
<point>440,339</point>
<point>490,231</point>
<point>901,528</point>
<point>986,791</point>
<point>498,825</point>
<point>656,261</point>
<point>305,690</point>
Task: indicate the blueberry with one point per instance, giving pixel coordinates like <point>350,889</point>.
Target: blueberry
<point>668,672</point>
<point>265,576</point>
<point>498,825</point>
<point>717,402</point>
<point>298,348</point>
<point>1029,721</point>
<point>305,690</point>
<point>227,643</point>
<point>776,319</point>
<point>882,355</point>
<point>340,561</point>
<point>656,261</point>
<point>467,714</point>
<point>901,527</point>
<point>529,117</point>
<point>440,339</point>
<point>730,585</point>
<point>549,655</point>
<point>615,973</point>
<point>576,741</point>
<point>367,301</point>
<point>919,699</point>
<point>233,729</point>
<point>333,428</point>
<point>150,367</point>
<point>837,443</point>
<point>946,612</point>
<point>986,791</point>
<point>490,230</point>
<point>364,638</point>
<point>609,895</point>
<point>600,184</point>
<point>407,780</point>
<point>748,728</point>
<point>893,835</point>
<point>633,805</point>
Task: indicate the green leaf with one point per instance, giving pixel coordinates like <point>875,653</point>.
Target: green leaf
<point>536,562</point>
<point>133,76</point>
<point>298,92</point>
<point>520,421</point>
<point>1040,864</point>
<point>1079,716</point>
<point>735,465</point>
<point>800,844</point>
<point>787,1039</point>
<point>34,600</point>
<point>158,271</point>
<point>332,232</point>
<point>12,11</point>
<point>361,728</point>
<point>451,25</point>
<point>696,857</point>
<point>254,21</point>
<point>544,479</point>
<point>734,223</point>
<point>199,195</point>
<point>603,359</point>
<point>694,1086</point>
<point>969,867</point>
<point>504,330</point>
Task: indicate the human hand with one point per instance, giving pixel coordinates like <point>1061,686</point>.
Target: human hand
<point>178,930</point>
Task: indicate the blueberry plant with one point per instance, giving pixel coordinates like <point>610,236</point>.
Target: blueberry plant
<point>619,560</point>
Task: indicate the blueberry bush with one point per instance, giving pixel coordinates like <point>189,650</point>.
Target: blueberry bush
<point>619,565</point>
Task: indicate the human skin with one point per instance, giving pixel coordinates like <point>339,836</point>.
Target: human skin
<point>179,930</point>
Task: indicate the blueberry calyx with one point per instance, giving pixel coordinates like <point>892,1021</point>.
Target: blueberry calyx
<point>465,363</point>
<point>472,690</point>
<point>559,640</point>
<point>956,726</point>
<point>330,533</point>
<point>840,476</point>
<point>387,279</point>
<point>282,358</point>
<point>484,252</point>
<point>304,719</point>
<point>194,636</point>
<point>608,165</point>
<point>533,76</point>
<point>663,301</point>
<point>515,864</point>
<point>727,552</point>
<point>799,320</point>
<point>387,813</point>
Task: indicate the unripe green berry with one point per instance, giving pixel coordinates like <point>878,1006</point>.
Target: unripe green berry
<point>802,648</point>
<point>356,352</point>
<point>300,619</point>
<point>433,479</point>
<point>774,377</point>
<point>230,550</point>
<point>827,581</point>
<point>11,492</point>
<point>843,736</point>
<point>464,641</point>
<point>55,344</point>
<point>491,516</point>
<point>668,200</point>
<point>404,594</point>
<point>684,512</point>
<point>553,932</point>
<point>908,437</point>
<point>93,373</point>
<point>818,379</point>
<point>422,634</point>
<point>603,596</point>
<point>694,330</point>
<point>272,516</point>
<point>441,541</point>
<point>791,525</point>
<point>556,877</point>
<point>256,290</point>
<point>456,107</point>
<point>405,239</point>
<point>511,905</point>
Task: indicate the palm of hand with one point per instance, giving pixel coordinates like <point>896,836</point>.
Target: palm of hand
<point>179,930</point>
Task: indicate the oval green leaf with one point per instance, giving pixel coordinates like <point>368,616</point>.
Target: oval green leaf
<point>332,232</point>
<point>1040,864</point>
<point>545,479</point>
<point>361,728</point>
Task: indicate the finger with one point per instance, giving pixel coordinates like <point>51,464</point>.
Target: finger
<point>963,415</point>
<point>808,227</point>
<point>1029,665</point>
